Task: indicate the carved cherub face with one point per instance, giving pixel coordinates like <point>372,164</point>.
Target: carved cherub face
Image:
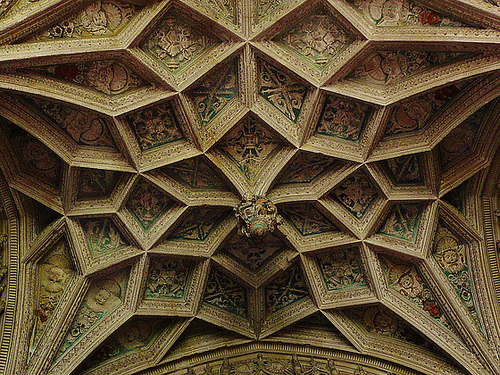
<point>102,296</point>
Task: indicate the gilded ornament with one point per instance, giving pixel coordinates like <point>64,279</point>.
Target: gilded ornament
<point>257,216</point>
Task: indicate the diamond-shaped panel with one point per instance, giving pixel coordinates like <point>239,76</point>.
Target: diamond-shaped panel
<point>210,96</point>
<point>96,183</point>
<point>249,145</point>
<point>155,126</point>
<point>356,193</point>
<point>224,293</point>
<point>281,89</point>
<point>287,289</point>
<point>175,43</point>
<point>147,203</point>
<point>343,118</point>
<point>167,278</point>
<point>103,236</point>
<point>317,38</point>
<point>402,222</point>
<point>341,269</point>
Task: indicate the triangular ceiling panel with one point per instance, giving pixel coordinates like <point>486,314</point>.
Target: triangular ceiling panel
<point>199,223</point>
<point>96,183</point>
<point>402,222</point>
<point>307,219</point>
<point>103,237</point>
<point>405,170</point>
<point>305,167</point>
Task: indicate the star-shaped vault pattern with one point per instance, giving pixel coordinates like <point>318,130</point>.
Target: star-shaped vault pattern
<point>129,130</point>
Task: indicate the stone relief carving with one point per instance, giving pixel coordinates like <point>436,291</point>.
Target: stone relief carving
<point>257,217</point>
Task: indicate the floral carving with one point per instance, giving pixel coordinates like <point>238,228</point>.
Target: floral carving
<point>103,236</point>
<point>214,93</point>
<point>108,76</point>
<point>317,38</point>
<point>266,7</point>
<point>413,114</point>
<point>402,222</point>
<point>281,90</point>
<point>385,67</point>
<point>175,44</point>
<point>341,269</point>
<point>155,126</point>
<point>54,272</point>
<point>167,278</point>
<point>343,118</point>
<point>405,169</point>
<point>103,297</point>
<point>449,251</point>
<point>286,289</point>
<point>307,219</point>
<point>402,13</point>
<point>84,126</point>
<point>257,217</point>
<point>249,145</point>
<point>405,279</point>
<point>356,194</point>
<point>147,203</point>
<point>101,18</point>
<point>226,294</point>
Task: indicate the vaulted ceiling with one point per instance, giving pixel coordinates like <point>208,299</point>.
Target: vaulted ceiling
<point>130,130</point>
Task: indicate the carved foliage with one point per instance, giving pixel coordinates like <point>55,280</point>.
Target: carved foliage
<point>385,67</point>
<point>103,236</point>
<point>214,92</point>
<point>413,114</point>
<point>249,145</point>
<point>307,219</point>
<point>107,76</point>
<point>167,278</point>
<point>147,203</point>
<point>84,126</point>
<point>402,221</point>
<point>54,270</point>
<point>450,253</point>
<point>175,43</point>
<point>226,294</point>
<point>287,289</point>
<point>199,223</point>
<point>405,169</point>
<point>405,279</point>
<point>281,89</point>
<point>305,167</point>
<point>317,37</point>
<point>343,118</point>
<point>96,183</point>
<point>100,19</point>
<point>155,126</point>
<point>341,269</point>
<point>356,193</point>
<point>266,7</point>
<point>402,13</point>
<point>253,254</point>
<point>104,296</point>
